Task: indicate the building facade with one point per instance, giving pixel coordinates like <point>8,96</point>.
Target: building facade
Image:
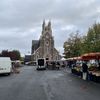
<point>44,47</point>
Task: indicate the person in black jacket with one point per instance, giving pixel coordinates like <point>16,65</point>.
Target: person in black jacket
<point>84,71</point>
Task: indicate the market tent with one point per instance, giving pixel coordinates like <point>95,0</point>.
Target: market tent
<point>69,59</point>
<point>77,58</point>
<point>90,56</point>
<point>63,59</point>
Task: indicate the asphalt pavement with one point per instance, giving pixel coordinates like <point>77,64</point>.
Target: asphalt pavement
<point>31,84</point>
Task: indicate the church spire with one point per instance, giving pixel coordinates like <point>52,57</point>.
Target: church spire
<point>49,27</point>
<point>49,24</point>
<point>43,25</point>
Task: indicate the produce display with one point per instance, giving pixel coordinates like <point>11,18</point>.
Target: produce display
<point>78,68</point>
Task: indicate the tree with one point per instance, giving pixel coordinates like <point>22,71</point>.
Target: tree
<point>76,45</point>
<point>92,41</point>
<point>5,53</point>
<point>14,55</point>
<point>72,47</point>
<point>17,54</point>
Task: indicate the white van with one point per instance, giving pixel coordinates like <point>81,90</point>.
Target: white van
<point>5,65</point>
<point>41,64</point>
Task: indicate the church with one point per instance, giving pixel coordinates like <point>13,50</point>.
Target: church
<point>44,47</point>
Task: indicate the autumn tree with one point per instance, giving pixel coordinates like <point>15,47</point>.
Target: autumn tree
<point>14,55</point>
<point>76,45</point>
<point>5,53</point>
<point>92,41</point>
<point>17,54</point>
<point>72,47</point>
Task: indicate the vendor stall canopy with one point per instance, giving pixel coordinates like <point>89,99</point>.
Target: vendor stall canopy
<point>89,56</point>
<point>75,58</point>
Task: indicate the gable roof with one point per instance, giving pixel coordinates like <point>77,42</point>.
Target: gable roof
<point>35,45</point>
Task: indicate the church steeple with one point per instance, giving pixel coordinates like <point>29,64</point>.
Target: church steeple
<point>49,27</point>
<point>46,28</point>
<point>43,25</point>
<point>49,24</point>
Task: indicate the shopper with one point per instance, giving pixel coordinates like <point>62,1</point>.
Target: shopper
<point>84,70</point>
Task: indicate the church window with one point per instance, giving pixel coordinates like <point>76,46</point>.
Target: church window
<point>47,36</point>
<point>47,43</point>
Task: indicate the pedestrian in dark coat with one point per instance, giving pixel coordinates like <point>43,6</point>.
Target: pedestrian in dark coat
<point>84,70</point>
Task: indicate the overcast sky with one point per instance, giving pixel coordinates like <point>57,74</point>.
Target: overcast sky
<point>21,20</point>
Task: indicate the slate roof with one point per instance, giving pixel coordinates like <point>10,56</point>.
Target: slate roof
<point>35,45</point>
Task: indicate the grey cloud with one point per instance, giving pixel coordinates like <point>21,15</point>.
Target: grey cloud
<point>20,20</point>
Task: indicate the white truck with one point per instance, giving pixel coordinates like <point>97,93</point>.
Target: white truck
<point>5,65</point>
<point>41,64</point>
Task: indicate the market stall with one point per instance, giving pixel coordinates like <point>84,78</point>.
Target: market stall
<point>89,56</point>
<point>76,67</point>
<point>94,69</point>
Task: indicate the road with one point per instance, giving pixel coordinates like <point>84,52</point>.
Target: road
<point>30,84</point>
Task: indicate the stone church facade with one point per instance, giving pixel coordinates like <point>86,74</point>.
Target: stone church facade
<point>44,47</point>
